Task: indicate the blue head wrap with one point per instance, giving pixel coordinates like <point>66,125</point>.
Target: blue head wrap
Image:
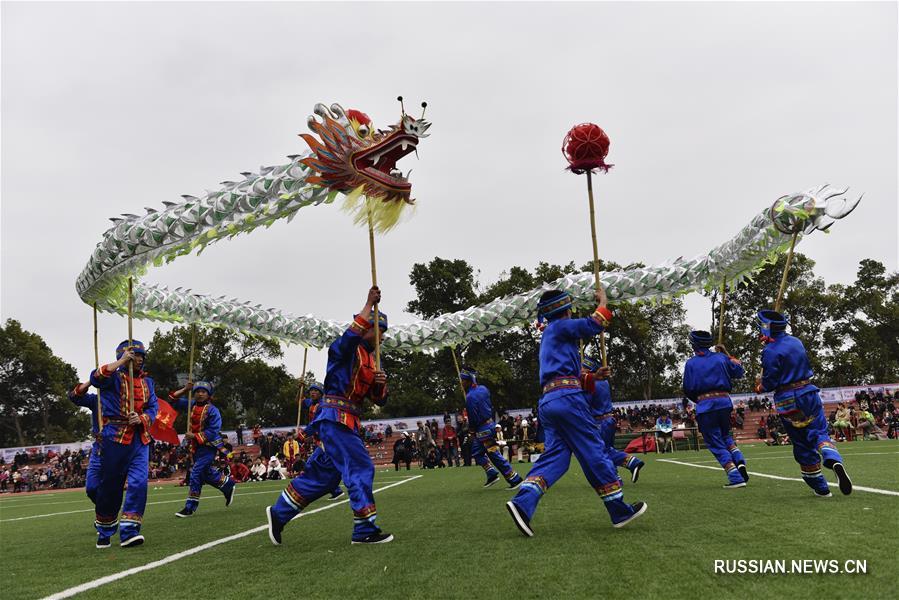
<point>772,323</point>
<point>590,364</point>
<point>136,346</point>
<point>553,304</point>
<point>382,319</point>
<point>468,374</point>
<point>317,386</point>
<point>203,385</point>
<point>701,339</point>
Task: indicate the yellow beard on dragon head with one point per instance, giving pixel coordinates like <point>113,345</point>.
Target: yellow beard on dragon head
<point>350,156</point>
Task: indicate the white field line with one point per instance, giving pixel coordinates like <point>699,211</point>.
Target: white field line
<point>12,497</point>
<point>177,491</point>
<point>778,477</point>
<point>90,585</point>
<point>182,497</point>
<point>789,457</point>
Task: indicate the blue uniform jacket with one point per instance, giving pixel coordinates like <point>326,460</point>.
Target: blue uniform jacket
<point>88,401</point>
<point>601,398</point>
<point>479,408</point>
<point>348,377</point>
<point>113,388</point>
<point>560,354</point>
<point>205,422</point>
<point>785,361</point>
<point>707,372</point>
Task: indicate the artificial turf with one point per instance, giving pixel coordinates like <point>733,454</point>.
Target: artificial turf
<point>456,540</point>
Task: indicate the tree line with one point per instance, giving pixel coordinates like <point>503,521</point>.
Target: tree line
<point>851,332</point>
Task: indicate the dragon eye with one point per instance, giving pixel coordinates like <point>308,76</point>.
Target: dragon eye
<point>363,130</point>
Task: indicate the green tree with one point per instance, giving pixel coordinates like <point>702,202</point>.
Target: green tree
<point>247,386</point>
<point>864,338</point>
<point>34,408</point>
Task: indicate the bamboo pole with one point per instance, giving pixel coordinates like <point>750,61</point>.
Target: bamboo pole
<point>458,374</point>
<point>190,373</point>
<point>374,282</point>
<point>130,343</point>
<point>721,313</point>
<point>302,387</point>
<point>602,334</point>
<point>97,366</point>
<point>783,279</point>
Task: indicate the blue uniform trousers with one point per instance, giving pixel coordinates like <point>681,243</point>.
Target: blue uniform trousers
<point>204,472</point>
<point>715,428</point>
<point>341,455</point>
<point>811,443</point>
<point>607,428</point>
<point>486,454</point>
<point>569,429</point>
<point>92,479</point>
<point>122,463</point>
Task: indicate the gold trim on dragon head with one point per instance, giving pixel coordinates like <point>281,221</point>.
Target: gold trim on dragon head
<point>350,155</point>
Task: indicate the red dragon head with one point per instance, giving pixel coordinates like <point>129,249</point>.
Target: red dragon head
<point>349,155</point>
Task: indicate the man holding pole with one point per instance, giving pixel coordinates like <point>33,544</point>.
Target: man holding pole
<point>597,376</point>
<point>484,449</point>
<point>128,407</point>
<point>564,412</point>
<point>786,371</point>
<point>351,377</point>
<point>80,397</point>
<point>204,435</point>
<point>708,378</point>
<point>316,392</point>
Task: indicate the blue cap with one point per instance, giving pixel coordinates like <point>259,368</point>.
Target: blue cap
<point>468,374</point>
<point>136,345</point>
<point>203,385</point>
<point>590,364</point>
<point>317,386</point>
<point>382,319</point>
<point>553,304</point>
<point>701,339</point>
<point>772,323</point>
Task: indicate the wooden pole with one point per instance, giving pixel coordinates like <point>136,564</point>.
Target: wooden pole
<point>458,374</point>
<point>130,343</point>
<point>302,387</point>
<point>374,282</point>
<point>721,313</point>
<point>602,335</point>
<point>97,366</point>
<point>190,372</point>
<point>783,279</point>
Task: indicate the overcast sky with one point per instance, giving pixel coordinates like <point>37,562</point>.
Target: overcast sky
<point>714,110</point>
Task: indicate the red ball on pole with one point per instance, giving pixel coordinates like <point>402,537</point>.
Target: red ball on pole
<point>585,148</point>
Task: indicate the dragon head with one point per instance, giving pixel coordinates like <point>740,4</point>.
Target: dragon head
<point>349,153</point>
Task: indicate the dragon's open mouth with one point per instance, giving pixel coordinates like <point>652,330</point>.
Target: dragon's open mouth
<point>379,161</point>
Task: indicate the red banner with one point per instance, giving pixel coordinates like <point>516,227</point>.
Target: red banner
<point>163,428</point>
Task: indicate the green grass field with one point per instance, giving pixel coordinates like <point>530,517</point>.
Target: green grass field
<point>455,539</point>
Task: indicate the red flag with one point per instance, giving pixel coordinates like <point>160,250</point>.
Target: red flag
<point>163,428</point>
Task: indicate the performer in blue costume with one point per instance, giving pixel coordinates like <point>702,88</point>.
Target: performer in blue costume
<point>786,371</point>
<point>351,378</point>
<point>204,434</point>
<point>707,382</point>
<point>124,445</point>
<point>316,393</point>
<point>596,377</point>
<point>564,412</point>
<point>484,449</point>
<point>310,403</point>
<point>80,397</point>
